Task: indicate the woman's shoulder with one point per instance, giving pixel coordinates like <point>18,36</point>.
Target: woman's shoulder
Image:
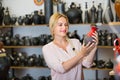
<point>48,45</point>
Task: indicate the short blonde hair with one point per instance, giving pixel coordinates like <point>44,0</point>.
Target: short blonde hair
<point>54,19</point>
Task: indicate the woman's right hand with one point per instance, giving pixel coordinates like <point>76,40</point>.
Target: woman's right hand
<point>85,49</point>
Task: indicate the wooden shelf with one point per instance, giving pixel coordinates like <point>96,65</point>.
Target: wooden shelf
<point>114,23</point>
<point>97,69</point>
<point>22,46</point>
<point>39,46</point>
<point>7,26</point>
<point>24,67</point>
<point>105,46</point>
<point>99,24</point>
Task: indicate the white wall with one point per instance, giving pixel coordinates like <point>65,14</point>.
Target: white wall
<point>22,7</point>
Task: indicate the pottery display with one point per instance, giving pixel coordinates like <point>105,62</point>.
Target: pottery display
<point>73,14</point>
<point>36,18</point>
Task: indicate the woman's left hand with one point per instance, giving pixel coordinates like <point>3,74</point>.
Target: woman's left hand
<point>95,38</point>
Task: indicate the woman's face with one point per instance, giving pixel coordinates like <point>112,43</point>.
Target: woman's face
<point>61,27</point>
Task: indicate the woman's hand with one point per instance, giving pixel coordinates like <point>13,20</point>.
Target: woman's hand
<point>85,49</point>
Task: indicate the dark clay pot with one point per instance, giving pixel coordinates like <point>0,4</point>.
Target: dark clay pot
<point>42,16</point>
<point>99,14</point>
<point>87,17</point>
<point>14,78</point>
<point>36,18</point>
<point>42,78</point>
<point>27,77</point>
<point>88,37</point>
<point>73,14</point>
<point>7,18</point>
<point>109,64</point>
<point>93,14</point>
<point>13,20</point>
<point>34,41</point>
<point>1,13</point>
<point>101,64</point>
<point>20,20</point>
<point>28,19</point>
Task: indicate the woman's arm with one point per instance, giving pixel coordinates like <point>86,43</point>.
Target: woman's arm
<point>87,61</point>
<point>79,57</point>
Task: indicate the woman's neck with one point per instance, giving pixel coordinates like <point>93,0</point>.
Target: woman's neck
<point>61,42</point>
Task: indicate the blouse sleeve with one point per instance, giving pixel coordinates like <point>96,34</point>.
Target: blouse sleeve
<point>51,59</point>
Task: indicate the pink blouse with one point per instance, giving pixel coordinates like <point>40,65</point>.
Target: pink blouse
<point>55,56</point>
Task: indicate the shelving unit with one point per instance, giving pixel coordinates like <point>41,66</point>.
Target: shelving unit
<point>39,46</point>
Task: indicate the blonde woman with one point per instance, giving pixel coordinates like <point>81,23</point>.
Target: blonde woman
<point>65,57</point>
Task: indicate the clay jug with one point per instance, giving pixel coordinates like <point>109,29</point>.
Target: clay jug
<point>20,20</point>
<point>73,14</point>
<point>88,37</point>
<point>1,13</point>
<point>87,17</point>
<point>13,19</point>
<point>7,18</point>
<point>93,14</point>
<point>99,13</point>
<point>27,19</point>
<point>80,10</point>
<point>42,16</point>
<point>36,18</point>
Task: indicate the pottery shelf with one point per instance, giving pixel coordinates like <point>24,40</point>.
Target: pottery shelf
<point>15,28</point>
<point>7,26</point>
<point>114,23</point>
<point>26,67</point>
<point>97,69</point>
<point>22,46</point>
<point>99,24</point>
<point>105,46</point>
<point>42,46</point>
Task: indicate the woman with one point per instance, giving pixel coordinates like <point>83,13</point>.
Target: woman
<point>65,56</point>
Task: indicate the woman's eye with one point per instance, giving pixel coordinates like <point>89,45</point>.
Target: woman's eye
<point>61,24</point>
<point>66,24</point>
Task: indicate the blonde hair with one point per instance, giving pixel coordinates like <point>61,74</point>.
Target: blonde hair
<point>54,19</point>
